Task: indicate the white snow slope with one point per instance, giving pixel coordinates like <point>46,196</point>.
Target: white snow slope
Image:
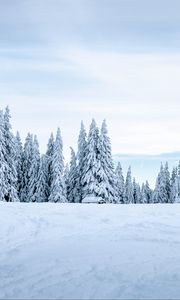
<point>75,251</point>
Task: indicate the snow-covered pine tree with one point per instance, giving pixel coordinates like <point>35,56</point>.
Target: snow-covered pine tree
<point>160,192</point>
<point>66,180</point>
<point>3,163</point>
<point>136,192</point>
<point>119,184</point>
<point>26,165</point>
<point>41,194</point>
<point>174,186</point>
<point>143,194</point>
<point>34,171</point>
<point>81,154</point>
<point>106,175</point>
<point>167,182</point>
<point>57,192</point>
<point>90,184</point>
<point>148,192</point>
<point>156,192</point>
<point>10,156</point>
<point>18,161</point>
<point>178,179</point>
<point>128,188</point>
<point>49,156</point>
<point>73,179</point>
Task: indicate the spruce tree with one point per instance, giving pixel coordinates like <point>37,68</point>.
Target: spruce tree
<point>106,176</point>
<point>66,180</point>
<point>143,194</point>
<point>160,192</point>
<point>41,193</point>
<point>18,161</point>
<point>90,184</point>
<point>167,183</point>
<point>3,163</point>
<point>73,179</point>
<point>81,155</point>
<point>129,188</point>
<point>26,165</point>
<point>174,186</point>
<point>136,192</point>
<point>57,192</point>
<point>148,192</point>
<point>119,184</point>
<point>34,171</point>
<point>10,156</point>
<point>49,156</point>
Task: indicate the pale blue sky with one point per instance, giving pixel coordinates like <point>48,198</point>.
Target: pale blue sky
<point>63,61</point>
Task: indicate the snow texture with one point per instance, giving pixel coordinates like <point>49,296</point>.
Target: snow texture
<point>75,251</point>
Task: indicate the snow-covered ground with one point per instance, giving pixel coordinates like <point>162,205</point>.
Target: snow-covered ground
<point>89,251</point>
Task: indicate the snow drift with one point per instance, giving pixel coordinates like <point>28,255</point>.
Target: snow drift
<point>89,251</point>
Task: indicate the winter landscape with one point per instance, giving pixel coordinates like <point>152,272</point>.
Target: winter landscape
<point>89,149</point>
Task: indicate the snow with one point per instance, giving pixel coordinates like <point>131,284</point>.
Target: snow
<point>91,199</point>
<point>74,251</point>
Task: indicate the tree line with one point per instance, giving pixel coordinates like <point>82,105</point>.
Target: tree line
<point>28,176</point>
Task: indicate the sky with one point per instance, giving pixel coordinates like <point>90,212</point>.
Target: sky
<point>63,61</point>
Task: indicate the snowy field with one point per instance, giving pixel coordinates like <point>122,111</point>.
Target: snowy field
<point>89,251</point>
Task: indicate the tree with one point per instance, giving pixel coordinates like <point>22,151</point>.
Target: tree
<point>90,184</point>
<point>57,192</point>
<point>136,192</point>
<point>10,155</point>
<point>167,183</point>
<point>18,161</point>
<point>73,179</point>
<point>27,158</point>
<point>3,163</point>
<point>119,184</point>
<point>106,176</point>
<point>129,188</point>
<point>81,154</point>
<point>49,157</point>
<point>41,193</point>
<point>174,186</point>
<point>66,180</point>
<point>146,193</point>
<point>34,171</point>
<point>160,192</point>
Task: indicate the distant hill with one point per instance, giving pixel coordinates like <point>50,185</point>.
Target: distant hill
<point>146,166</point>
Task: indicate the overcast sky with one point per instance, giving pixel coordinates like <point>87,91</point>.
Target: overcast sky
<point>66,60</point>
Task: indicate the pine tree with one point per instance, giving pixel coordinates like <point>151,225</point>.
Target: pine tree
<point>119,184</point>
<point>73,179</point>
<point>26,165</point>
<point>10,155</point>
<point>34,171</point>
<point>143,194</point>
<point>129,188</point>
<point>57,193</point>
<point>66,180</point>
<point>136,192</point>
<point>160,192</point>
<point>82,144</point>
<point>41,193</point>
<point>167,183</point>
<point>174,186</point>
<point>90,184</point>
<point>49,156</point>
<point>148,192</point>
<point>3,163</point>
<point>18,161</point>
<point>106,176</point>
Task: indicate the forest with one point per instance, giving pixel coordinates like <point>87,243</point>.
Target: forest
<point>26,175</point>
